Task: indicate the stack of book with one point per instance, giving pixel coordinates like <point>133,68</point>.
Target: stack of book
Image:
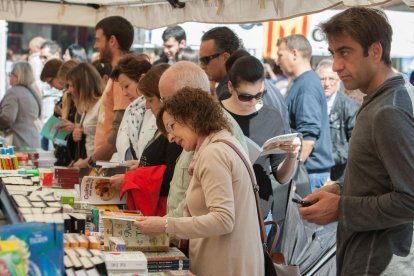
<point>66,177</point>
<point>125,263</point>
<point>173,259</point>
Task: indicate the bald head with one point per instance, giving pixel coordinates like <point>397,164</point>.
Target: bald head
<point>35,44</point>
<point>180,75</point>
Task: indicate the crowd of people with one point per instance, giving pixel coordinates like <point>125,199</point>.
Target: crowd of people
<point>177,115</point>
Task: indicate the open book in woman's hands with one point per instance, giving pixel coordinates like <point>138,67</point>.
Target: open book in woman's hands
<point>271,146</point>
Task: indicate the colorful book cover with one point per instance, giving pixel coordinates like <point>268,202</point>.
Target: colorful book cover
<point>98,190</point>
<point>43,243</point>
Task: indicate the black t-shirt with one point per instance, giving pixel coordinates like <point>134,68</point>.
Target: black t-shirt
<point>260,126</point>
<point>161,152</point>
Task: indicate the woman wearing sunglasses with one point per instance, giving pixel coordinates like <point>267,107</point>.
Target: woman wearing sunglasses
<point>259,122</point>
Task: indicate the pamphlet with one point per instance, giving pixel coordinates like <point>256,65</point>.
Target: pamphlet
<point>51,132</point>
<point>271,146</point>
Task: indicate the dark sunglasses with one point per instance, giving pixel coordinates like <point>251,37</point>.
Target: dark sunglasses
<point>206,60</point>
<point>248,97</point>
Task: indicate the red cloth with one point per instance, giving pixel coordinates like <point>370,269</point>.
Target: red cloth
<point>143,187</point>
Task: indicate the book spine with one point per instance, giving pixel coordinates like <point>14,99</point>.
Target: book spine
<point>172,267</point>
<point>172,262</point>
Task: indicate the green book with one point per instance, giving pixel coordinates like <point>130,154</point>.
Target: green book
<point>51,132</point>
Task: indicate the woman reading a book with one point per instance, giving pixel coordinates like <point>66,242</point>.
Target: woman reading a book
<point>156,151</point>
<point>220,216</point>
<point>85,86</point>
<point>259,122</point>
<point>138,124</point>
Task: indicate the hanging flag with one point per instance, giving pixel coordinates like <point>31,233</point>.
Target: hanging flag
<point>273,30</point>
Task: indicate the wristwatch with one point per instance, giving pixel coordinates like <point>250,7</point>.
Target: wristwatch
<point>91,163</point>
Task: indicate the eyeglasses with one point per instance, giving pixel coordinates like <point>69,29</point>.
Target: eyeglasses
<point>206,60</point>
<point>243,97</point>
<point>328,79</point>
<point>169,126</point>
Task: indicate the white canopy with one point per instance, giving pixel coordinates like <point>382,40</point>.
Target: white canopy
<point>152,14</point>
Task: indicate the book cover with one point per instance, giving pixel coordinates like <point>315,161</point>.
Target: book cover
<point>135,241</point>
<point>98,190</point>
<point>51,132</point>
<point>271,146</point>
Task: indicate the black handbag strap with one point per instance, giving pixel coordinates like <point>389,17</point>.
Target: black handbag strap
<point>256,195</point>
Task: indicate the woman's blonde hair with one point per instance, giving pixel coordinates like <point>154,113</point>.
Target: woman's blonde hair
<point>65,68</point>
<point>67,98</point>
<point>87,86</point>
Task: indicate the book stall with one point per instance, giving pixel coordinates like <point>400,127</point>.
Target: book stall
<point>69,221</point>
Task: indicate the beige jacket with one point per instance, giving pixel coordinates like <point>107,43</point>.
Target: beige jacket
<point>223,228</point>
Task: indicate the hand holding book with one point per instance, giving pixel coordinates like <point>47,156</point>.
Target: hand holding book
<point>280,144</point>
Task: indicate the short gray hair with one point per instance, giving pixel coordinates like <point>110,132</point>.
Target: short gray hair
<point>24,73</point>
<point>298,42</point>
<point>189,74</point>
<point>326,62</point>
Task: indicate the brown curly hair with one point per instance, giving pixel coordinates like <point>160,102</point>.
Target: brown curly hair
<point>196,109</point>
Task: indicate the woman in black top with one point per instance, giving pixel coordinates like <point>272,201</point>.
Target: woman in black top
<point>158,151</point>
<point>259,122</point>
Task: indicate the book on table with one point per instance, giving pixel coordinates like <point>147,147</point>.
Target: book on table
<point>271,146</point>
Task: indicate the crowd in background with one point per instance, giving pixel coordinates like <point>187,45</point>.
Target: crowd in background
<point>168,119</point>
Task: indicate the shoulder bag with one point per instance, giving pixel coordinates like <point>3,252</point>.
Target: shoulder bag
<point>271,268</point>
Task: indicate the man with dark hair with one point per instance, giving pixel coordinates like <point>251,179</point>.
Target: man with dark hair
<point>50,50</point>
<point>307,107</point>
<point>111,31</point>
<point>216,47</point>
<point>374,205</point>
<point>175,40</point>
<point>114,36</point>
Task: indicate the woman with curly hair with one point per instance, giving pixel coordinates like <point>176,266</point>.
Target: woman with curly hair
<point>220,216</point>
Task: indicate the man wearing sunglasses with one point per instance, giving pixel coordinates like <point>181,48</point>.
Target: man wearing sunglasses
<point>307,107</point>
<point>216,47</point>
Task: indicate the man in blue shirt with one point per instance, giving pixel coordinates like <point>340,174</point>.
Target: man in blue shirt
<point>307,107</point>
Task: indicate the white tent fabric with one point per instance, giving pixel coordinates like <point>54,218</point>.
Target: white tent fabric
<point>152,14</point>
